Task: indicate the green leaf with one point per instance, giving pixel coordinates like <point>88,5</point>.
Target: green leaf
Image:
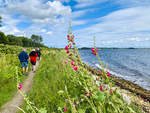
<point>27,107</point>
<point>101,96</point>
<point>43,110</point>
<point>81,110</point>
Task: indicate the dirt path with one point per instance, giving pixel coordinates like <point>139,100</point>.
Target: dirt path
<point>11,106</point>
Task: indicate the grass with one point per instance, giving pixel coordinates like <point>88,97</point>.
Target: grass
<point>8,63</point>
<point>53,76</point>
<point>48,81</point>
<point>8,80</point>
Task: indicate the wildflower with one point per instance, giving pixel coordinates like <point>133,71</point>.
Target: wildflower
<point>66,48</point>
<point>68,37</point>
<point>60,70</point>
<point>72,63</point>
<point>65,109</point>
<point>20,87</point>
<point>94,51</point>
<point>73,43</point>
<point>75,68</point>
<point>66,62</point>
<point>72,36</point>
<point>108,74</point>
<point>101,88</point>
<point>67,51</point>
<point>69,46</point>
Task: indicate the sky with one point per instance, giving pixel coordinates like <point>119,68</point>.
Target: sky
<point>115,23</point>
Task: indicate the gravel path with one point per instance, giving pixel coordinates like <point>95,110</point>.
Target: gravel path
<point>11,106</point>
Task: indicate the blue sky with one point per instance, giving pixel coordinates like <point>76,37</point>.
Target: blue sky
<point>115,23</point>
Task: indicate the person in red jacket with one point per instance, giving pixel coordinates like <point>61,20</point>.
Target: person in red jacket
<point>33,55</point>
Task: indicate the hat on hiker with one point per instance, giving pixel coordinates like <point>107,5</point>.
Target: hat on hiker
<point>23,49</point>
<point>33,49</point>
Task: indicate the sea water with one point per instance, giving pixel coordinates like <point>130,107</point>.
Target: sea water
<point>129,64</point>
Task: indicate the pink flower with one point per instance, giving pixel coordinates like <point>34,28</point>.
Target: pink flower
<point>66,62</point>
<point>20,87</point>
<point>75,68</point>
<point>67,51</point>
<point>65,109</point>
<point>72,36</point>
<point>108,74</point>
<point>101,88</point>
<point>66,48</point>
<point>72,63</point>
<point>94,51</point>
<point>68,36</point>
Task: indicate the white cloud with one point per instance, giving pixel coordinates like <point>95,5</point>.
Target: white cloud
<point>49,33</point>
<point>119,26</point>
<point>128,25</point>
<point>37,11</point>
<point>53,16</point>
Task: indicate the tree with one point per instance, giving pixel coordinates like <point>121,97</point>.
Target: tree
<point>0,21</point>
<point>3,38</point>
<point>36,38</point>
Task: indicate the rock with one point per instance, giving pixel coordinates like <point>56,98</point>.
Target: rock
<point>126,98</point>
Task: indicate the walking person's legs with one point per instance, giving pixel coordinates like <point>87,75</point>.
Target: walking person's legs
<point>26,67</point>
<point>33,66</point>
<point>23,70</point>
<point>22,66</point>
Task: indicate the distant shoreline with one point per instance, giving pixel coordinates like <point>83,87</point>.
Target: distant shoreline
<point>111,48</point>
<point>124,84</point>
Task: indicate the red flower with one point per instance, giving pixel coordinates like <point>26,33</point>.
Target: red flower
<point>72,36</point>
<point>68,37</point>
<point>101,88</point>
<point>94,51</point>
<point>20,87</point>
<point>65,109</point>
<point>67,51</point>
<point>75,68</point>
<point>72,63</point>
<point>66,48</point>
<point>108,74</point>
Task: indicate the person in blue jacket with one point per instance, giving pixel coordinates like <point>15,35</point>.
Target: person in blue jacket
<point>23,57</point>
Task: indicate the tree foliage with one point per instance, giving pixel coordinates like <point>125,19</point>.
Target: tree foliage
<point>34,41</point>
<point>20,41</point>
<point>36,38</point>
<point>3,38</point>
<point>0,21</point>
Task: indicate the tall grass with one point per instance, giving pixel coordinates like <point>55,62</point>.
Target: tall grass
<point>57,87</point>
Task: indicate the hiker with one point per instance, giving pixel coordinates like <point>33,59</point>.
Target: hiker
<point>38,53</point>
<point>23,57</point>
<point>33,55</point>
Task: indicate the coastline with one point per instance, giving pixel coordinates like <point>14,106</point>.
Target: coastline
<point>124,84</point>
